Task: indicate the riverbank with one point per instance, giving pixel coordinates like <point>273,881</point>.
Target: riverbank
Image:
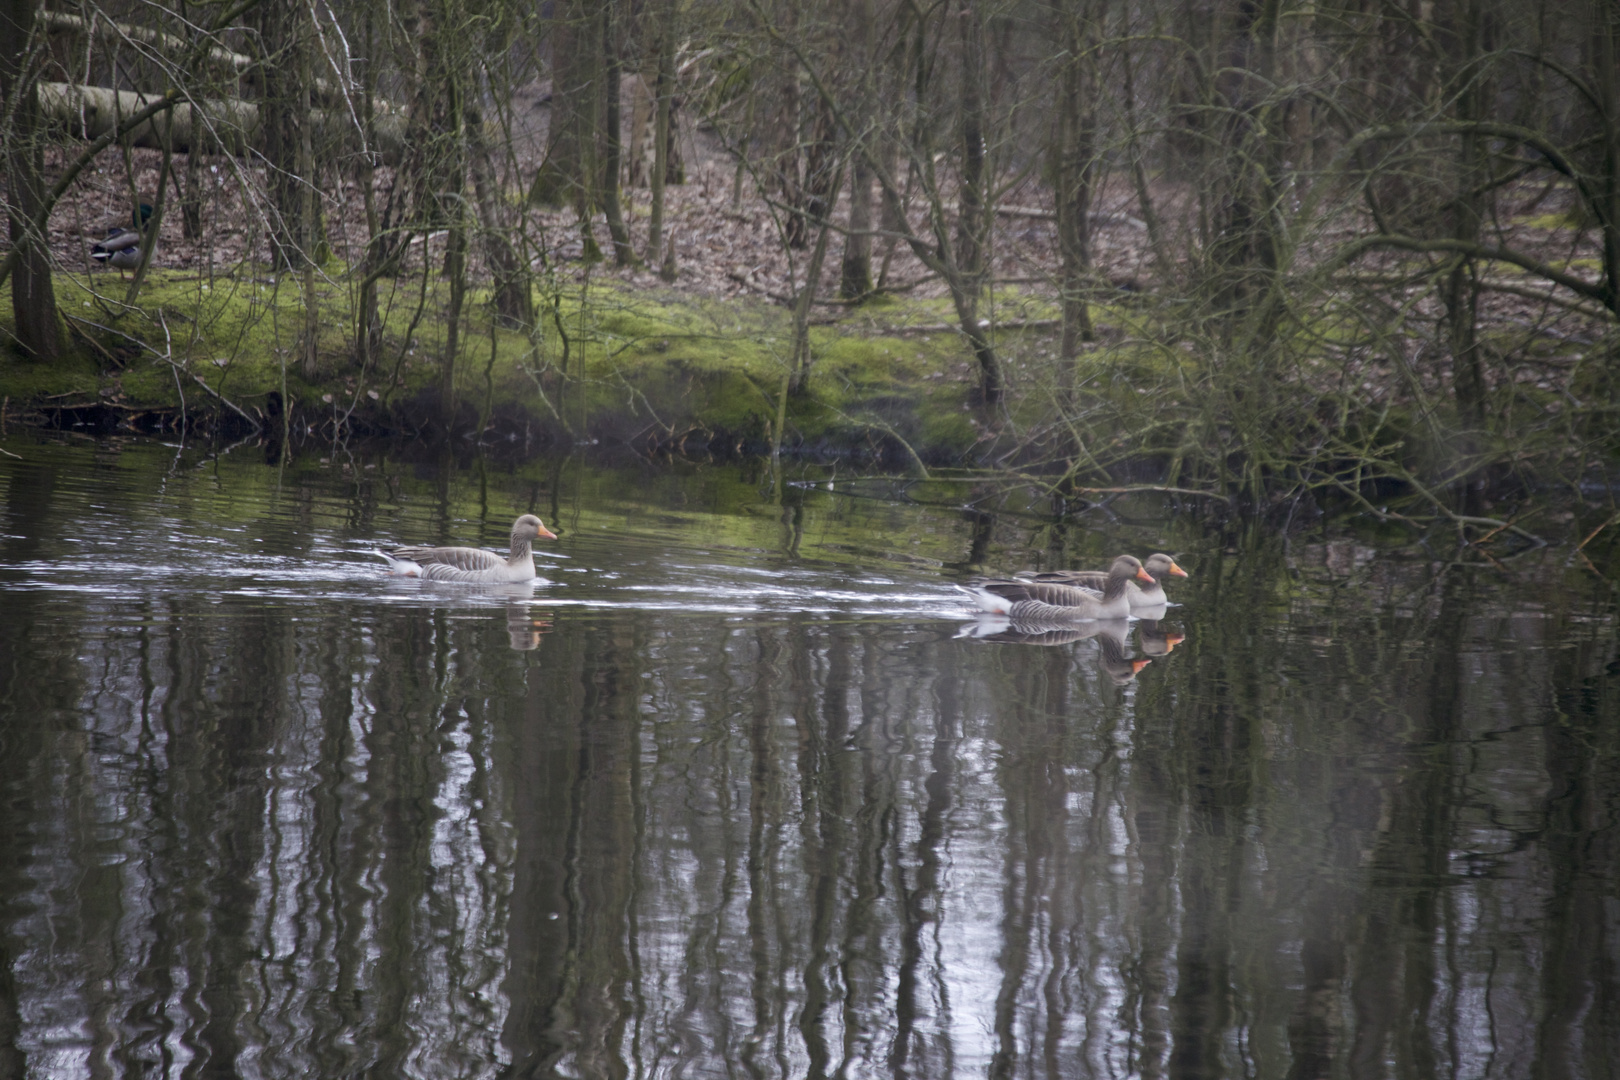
<point>618,361</point>
<point>651,369</point>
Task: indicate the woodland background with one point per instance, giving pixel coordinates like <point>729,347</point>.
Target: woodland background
<point>1264,247</point>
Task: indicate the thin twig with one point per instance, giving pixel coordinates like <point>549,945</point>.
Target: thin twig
<point>1589,536</point>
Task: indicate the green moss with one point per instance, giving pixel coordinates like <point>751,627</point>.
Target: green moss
<point>1551,222</point>
<point>628,361</point>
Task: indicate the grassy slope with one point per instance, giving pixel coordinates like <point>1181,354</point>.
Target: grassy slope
<point>635,362</point>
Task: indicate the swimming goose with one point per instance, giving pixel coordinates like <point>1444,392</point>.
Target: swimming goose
<point>472,564</point>
<point>1158,567</point>
<point>1029,600</point>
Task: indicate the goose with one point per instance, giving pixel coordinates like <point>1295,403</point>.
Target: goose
<point>1028,600</point>
<point>1158,566</point>
<point>472,564</point>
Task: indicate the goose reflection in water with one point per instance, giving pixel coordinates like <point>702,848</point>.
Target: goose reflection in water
<point>1158,639</point>
<point>525,627</point>
<point>1154,636</point>
<point>1110,635</point>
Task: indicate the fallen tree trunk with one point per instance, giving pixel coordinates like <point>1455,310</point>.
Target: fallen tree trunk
<point>235,64</point>
<point>228,126</point>
<point>62,22</point>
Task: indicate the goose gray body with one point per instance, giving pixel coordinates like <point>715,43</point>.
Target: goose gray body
<point>1032,601</point>
<point>1159,566</point>
<point>473,565</point>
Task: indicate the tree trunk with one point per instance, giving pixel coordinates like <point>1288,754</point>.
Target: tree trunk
<point>445,62</point>
<point>284,113</point>
<point>799,377</point>
<point>1461,289</point>
<point>644,131</point>
<point>309,238</point>
<point>972,224</point>
<point>971,220</point>
<point>782,134</point>
<point>664,89</point>
<point>612,143</point>
<point>1073,141</point>
<point>855,272</point>
<point>1241,187</point>
<point>33,296</point>
<point>1606,57</point>
<point>513,294</point>
<point>455,268</point>
<point>822,164</point>
<point>368,324</point>
<point>191,199</point>
<point>568,175</point>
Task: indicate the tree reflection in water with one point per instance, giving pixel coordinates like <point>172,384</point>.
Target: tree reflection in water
<point>1360,822</point>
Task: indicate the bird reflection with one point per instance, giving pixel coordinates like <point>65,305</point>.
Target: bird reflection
<point>1110,635</point>
<point>524,629</point>
<point>1158,639</point>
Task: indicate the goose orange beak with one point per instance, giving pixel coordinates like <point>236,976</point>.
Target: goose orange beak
<point>1138,665</point>
<point>1143,575</point>
<point>1176,570</point>
<point>547,534</point>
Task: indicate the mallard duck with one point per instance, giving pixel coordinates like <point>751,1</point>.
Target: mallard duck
<point>1029,600</point>
<point>472,564</point>
<point>1158,566</point>
<point>121,247</point>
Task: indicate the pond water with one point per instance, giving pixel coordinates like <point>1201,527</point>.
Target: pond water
<point>745,790</point>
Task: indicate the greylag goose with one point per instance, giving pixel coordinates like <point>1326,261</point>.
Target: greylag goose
<point>1158,566</point>
<point>1029,600</point>
<point>473,564</point>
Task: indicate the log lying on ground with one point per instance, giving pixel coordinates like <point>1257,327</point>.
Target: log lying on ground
<point>234,64</point>
<point>62,22</point>
<point>227,126</point>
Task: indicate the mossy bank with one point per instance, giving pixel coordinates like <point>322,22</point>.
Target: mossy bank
<point>654,370</point>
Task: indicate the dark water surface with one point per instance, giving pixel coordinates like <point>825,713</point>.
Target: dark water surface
<point>735,794</point>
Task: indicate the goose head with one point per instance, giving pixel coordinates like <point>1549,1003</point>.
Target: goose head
<point>1160,565</point>
<point>1129,566</point>
<point>529,528</point>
